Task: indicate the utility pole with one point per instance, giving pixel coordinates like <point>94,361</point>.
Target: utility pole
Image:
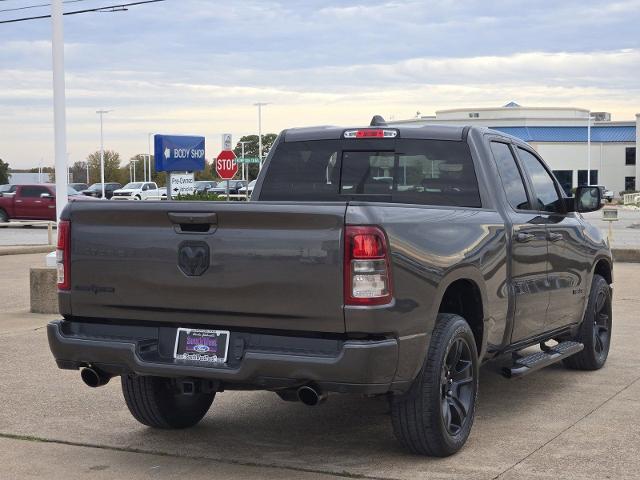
<point>59,106</point>
<point>101,113</point>
<point>260,105</point>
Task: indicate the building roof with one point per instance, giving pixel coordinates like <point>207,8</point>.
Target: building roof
<point>599,133</point>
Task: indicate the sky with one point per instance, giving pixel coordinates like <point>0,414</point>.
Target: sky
<point>198,66</point>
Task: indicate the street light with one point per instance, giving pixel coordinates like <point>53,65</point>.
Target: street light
<point>149,152</point>
<point>132,163</point>
<point>101,113</point>
<point>260,105</point>
<point>59,105</point>
<point>242,144</point>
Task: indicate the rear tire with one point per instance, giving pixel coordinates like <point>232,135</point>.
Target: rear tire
<point>436,415</point>
<point>157,402</point>
<point>595,330</point>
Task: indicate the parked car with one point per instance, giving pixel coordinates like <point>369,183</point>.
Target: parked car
<point>203,186</point>
<point>606,194</point>
<point>234,185</point>
<point>32,202</point>
<point>95,190</point>
<point>136,191</point>
<point>78,187</point>
<point>336,280</point>
<point>243,190</point>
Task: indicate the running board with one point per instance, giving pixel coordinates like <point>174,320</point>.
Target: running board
<point>524,365</point>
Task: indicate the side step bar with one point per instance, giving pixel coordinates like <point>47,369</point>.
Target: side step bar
<point>524,365</point>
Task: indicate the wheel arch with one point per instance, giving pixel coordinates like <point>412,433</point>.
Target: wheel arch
<point>604,268</point>
<point>454,295</point>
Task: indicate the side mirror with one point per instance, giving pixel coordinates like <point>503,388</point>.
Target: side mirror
<point>587,199</point>
<point>46,195</point>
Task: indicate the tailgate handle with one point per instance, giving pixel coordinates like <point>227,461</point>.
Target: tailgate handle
<point>193,222</point>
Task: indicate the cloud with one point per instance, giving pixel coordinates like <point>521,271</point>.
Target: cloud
<point>196,66</point>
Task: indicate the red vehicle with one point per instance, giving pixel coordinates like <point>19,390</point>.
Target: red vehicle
<point>33,202</point>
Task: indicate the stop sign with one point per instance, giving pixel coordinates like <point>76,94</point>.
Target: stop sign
<point>226,166</point>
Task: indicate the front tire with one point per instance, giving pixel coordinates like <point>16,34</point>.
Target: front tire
<point>595,330</point>
<point>3,216</point>
<point>435,416</point>
<point>157,402</point>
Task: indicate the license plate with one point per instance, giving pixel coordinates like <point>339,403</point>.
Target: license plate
<point>209,346</point>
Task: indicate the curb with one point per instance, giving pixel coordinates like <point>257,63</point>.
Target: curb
<point>24,249</point>
<point>630,255</point>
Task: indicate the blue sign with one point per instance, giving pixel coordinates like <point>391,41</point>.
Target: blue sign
<point>178,153</point>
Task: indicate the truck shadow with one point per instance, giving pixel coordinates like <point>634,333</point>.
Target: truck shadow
<point>353,434</point>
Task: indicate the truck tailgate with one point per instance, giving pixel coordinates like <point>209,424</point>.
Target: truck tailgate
<point>270,265</point>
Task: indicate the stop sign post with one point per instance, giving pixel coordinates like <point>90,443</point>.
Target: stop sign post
<point>226,166</point>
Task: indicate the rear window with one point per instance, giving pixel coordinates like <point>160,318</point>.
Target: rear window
<point>429,172</point>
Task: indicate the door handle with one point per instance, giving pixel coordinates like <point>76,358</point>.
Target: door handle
<point>554,237</point>
<point>525,237</point>
<point>208,218</point>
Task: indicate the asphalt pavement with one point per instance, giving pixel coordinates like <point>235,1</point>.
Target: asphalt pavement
<point>552,424</point>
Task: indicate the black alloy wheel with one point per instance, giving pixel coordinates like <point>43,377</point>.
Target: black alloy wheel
<point>457,394</point>
<point>602,325</point>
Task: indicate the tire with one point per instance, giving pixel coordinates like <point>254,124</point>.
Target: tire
<point>3,216</point>
<point>595,330</point>
<point>156,402</point>
<point>419,416</point>
<point>137,197</point>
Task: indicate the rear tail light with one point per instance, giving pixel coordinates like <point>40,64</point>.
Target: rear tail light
<point>371,133</point>
<point>63,255</point>
<point>367,275</point>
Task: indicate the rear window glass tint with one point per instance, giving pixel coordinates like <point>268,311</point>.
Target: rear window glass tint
<point>303,171</point>
<point>431,172</point>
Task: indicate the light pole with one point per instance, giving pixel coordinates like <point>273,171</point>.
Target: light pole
<point>149,152</point>
<point>260,105</point>
<point>245,178</point>
<point>133,164</point>
<point>101,113</point>
<point>59,105</point>
<point>589,149</point>
<point>242,144</point>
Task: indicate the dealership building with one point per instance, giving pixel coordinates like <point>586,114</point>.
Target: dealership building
<point>562,137</point>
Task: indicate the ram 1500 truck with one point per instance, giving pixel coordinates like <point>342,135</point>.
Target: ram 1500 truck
<point>377,260</point>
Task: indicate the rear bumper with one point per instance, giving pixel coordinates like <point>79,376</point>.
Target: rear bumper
<point>255,360</point>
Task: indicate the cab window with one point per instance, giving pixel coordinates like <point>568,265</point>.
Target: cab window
<point>546,195</point>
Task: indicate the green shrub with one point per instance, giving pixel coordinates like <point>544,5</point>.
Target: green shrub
<point>201,197</point>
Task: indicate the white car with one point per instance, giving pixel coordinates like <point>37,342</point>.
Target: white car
<point>243,190</point>
<point>137,191</point>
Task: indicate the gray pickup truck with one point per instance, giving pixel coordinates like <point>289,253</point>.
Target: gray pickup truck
<point>377,260</point>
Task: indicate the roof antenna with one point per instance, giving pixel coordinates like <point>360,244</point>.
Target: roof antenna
<point>378,121</point>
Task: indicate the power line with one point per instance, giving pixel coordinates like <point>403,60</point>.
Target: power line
<point>15,9</point>
<point>109,8</point>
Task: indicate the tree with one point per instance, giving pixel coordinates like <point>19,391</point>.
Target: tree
<point>251,150</point>
<point>79,172</point>
<point>4,172</point>
<point>207,174</point>
<point>112,171</point>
